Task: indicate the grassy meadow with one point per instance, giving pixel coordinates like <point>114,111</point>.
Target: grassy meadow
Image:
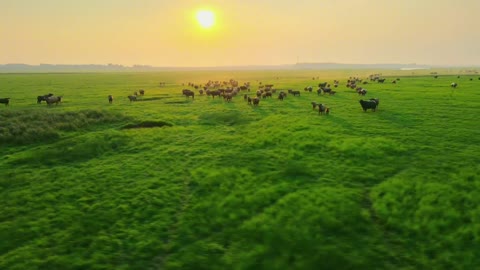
<point>230,186</point>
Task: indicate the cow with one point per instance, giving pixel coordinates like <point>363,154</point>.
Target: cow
<point>296,93</point>
<point>322,108</point>
<point>436,76</point>
<point>322,84</point>
<point>227,97</point>
<point>215,93</point>
<point>52,99</point>
<point>201,92</point>
<point>188,93</point>
<point>332,92</point>
<point>256,101</point>
<point>319,91</point>
<point>281,96</point>
<point>5,101</point>
<point>245,97</point>
<point>381,80</point>
<point>394,81</point>
<point>43,98</point>
<point>454,84</point>
<point>142,92</point>
<point>249,100</point>
<point>327,90</point>
<point>110,99</point>
<point>376,101</point>
<point>314,105</point>
<point>368,104</point>
<point>132,98</point>
<point>362,92</point>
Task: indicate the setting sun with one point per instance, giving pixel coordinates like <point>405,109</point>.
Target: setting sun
<point>206,18</point>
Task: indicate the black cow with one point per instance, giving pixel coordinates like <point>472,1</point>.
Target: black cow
<point>5,101</point>
<point>132,98</point>
<point>368,104</point>
<point>296,93</point>
<point>381,80</point>
<point>281,96</point>
<point>142,92</point>
<point>110,99</point>
<point>322,84</point>
<point>376,100</point>
<point>43,98</point>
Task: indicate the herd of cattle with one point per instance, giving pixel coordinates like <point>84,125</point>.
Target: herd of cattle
<point>229,89</point>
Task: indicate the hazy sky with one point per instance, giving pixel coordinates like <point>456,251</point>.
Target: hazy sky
<point>165,33</point>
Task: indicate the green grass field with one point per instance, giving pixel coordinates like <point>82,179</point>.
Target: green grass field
<point>229,186</point>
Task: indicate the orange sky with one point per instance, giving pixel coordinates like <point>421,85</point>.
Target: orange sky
<point>247,32</point>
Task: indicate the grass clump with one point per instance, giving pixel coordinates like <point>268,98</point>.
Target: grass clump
<point>27,127</point>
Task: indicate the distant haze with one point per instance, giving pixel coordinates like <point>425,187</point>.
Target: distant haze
<point>247,32</point>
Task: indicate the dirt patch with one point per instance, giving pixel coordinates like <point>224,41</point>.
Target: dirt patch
<point>148,124</point>
<point>150,99</point>
<point>177,102</point>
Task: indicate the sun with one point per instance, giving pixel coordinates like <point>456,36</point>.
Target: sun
<point>206,18</point>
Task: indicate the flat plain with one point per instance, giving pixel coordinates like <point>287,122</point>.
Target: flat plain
<point>224,185</point>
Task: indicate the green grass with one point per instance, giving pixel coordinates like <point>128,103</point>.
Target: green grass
<point>176,183</point>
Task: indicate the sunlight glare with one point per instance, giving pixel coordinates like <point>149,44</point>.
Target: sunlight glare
<point>206,18</point>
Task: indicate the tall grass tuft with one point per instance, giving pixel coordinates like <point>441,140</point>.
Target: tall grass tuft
<point>27,127</point>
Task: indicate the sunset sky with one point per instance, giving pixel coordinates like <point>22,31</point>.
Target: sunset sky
<point>246,32</point>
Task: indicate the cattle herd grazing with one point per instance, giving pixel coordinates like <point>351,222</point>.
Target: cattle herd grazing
<point>231,88</point>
